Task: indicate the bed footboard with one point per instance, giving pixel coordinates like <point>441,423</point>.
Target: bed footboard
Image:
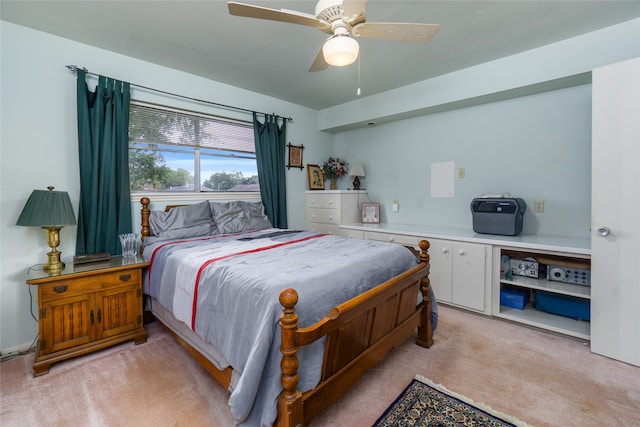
<point>359,334</point>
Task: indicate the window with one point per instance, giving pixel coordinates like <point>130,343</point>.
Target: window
<point>183,151</point>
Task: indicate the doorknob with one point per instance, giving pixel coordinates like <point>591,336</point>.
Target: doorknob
<point>603,231</point>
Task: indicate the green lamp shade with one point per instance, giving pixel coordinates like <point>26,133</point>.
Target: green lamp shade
<point>47,209</point>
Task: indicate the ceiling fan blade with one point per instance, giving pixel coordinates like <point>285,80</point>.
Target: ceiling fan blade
<point>319,64</point>
<point>396,31</point>
<point>353,8</point>
<point>288,16</point>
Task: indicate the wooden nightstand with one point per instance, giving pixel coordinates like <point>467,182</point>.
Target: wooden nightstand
<point>87,307</point>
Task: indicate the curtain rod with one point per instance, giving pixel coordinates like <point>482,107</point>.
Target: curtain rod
<point>74,68</point>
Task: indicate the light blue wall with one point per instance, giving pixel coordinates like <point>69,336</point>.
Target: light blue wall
<point>520,124</point>
<point>534,147</point>
<point>39,145</point>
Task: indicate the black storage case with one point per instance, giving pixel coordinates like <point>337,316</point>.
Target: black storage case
<point>501,216</point>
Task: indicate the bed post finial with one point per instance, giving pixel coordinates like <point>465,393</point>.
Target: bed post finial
<point>145,231</point>
<point>424,248</point>
<point>425,332</point>
<point>290,399</point>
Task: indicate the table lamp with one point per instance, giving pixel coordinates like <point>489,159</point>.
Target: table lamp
<point>50,210</point>
<point>357,170</point>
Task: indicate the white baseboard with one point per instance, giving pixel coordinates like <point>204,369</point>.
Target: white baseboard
<point>12,351</point>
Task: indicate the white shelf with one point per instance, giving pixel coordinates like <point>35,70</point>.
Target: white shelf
<point>537,318</point>
<point>579,291</point>
<point>531,316</point>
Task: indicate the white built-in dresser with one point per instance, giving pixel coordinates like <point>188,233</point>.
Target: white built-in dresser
<point>328,209</point>
<point>466,270</point>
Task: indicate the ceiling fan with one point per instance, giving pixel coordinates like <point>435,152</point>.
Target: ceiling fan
<point>343,20</point>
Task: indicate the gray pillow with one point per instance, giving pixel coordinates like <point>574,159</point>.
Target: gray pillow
<point>239,216</point>
<point>183,221</point>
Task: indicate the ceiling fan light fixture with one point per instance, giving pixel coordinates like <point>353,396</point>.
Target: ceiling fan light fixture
<point>340,50</point>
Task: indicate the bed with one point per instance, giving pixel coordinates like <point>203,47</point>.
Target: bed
<point>286,320</point>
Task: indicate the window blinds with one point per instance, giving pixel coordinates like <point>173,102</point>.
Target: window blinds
<point>156,125</point>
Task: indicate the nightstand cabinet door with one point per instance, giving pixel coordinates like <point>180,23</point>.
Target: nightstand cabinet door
<point>66,323</point>
<point>118,311</point>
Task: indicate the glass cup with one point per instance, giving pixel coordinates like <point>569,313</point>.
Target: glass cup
<point>129,242</point>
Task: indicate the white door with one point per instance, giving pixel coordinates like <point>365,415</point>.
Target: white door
<point>615,212</point>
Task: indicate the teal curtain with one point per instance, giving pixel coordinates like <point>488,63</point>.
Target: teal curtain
<point>103,144</point>
<point>270,155</point>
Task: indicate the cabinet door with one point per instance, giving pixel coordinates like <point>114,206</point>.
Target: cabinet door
<point>468,275</point>
<point>440,275</point>
<point>118,310</point>
<point>615,182</point>
<point>66,323</point>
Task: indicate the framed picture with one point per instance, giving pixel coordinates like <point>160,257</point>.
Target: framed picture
<point>315,177</point>
<point>295,156</point>
<point>371,213</point>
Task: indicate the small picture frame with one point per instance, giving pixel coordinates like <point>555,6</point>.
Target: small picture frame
<point>315,177</point>
<point>371,213</point>
<point>295,156</point>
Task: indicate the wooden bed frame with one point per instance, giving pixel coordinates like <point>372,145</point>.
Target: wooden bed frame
<point>359,334</point>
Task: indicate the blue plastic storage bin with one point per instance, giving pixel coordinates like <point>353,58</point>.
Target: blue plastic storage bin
<point>563,305</point>
<point>514,297</point>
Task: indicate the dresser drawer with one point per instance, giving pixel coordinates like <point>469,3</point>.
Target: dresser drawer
<point>82,285</point>
<point>353,234</point>
<point>323,200</point>
<point>393,238</point>
<point>326,216</point>
<point>323,228</point>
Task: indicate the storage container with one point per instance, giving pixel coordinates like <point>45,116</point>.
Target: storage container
<point>563,305</point>
<point>514,297</point>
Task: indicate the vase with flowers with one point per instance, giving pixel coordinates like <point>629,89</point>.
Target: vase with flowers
<point>333,169</point>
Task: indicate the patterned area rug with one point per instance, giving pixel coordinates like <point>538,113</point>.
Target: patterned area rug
<point>424,403</point>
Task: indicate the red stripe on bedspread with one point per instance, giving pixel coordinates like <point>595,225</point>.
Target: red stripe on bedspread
<point>174,242</point>
<point>211,261</point>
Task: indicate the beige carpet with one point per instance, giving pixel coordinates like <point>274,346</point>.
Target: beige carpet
<point>540,378</point>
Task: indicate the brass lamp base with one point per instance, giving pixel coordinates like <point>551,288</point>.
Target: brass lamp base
<point>53,257</point>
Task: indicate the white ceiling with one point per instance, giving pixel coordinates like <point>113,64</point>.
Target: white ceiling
<point>272,58</point>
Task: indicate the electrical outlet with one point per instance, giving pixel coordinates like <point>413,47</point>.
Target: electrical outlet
<point>460,172</point>
<point>396,205</point>
<point>538,206</point>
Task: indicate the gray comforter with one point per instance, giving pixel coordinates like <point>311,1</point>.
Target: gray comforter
<point>226,289</point>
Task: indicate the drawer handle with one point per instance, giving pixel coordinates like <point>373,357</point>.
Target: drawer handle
<point>330,202</point>
<point>461,252</point>
<point>391,239</point>
<point>59,289</point>
<point>445,250</point>
<point>125,277</point>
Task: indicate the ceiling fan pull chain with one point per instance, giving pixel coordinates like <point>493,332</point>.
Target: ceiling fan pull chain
<point>358,92</point>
